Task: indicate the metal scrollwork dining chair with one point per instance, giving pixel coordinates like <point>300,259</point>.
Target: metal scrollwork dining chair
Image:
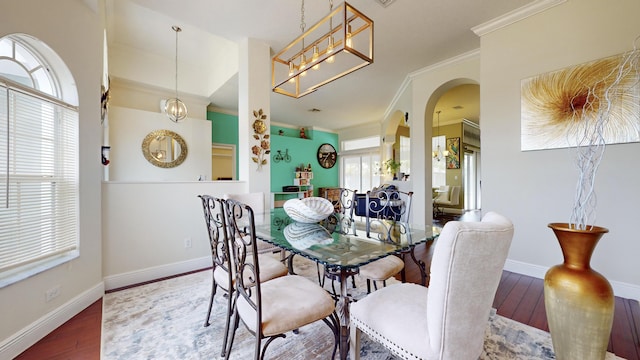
<point>270,309</point>
<point>222,274</point>
<point>382,206</point>
<point>341,221</point>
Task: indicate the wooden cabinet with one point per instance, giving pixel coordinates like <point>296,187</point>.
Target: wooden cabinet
<point>331,194</point>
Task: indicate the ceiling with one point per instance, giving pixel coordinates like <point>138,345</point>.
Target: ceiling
<point>409,35</point>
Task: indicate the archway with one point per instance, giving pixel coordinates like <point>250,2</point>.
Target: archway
<point>456,102</point>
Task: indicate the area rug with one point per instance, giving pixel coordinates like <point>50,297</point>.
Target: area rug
<point>164,320</point>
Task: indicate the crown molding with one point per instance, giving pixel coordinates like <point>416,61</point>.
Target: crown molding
<point>515,16</point>
<point>409,78</point>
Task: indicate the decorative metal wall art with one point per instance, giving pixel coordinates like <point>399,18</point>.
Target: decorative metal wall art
<point>262,136</point>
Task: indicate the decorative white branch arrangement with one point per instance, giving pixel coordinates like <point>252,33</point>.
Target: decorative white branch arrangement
<point>591,110</point>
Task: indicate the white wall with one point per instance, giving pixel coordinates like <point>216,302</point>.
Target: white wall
<point>25,315</point>
<point>536,188</point>
<point>145,225</point>
<point>128,128</point>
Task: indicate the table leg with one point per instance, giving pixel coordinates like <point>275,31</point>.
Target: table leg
<point>342,308</point>
<point>421,265</point>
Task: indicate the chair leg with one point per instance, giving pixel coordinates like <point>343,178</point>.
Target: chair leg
<point>320,276</point>
<point>231,334</point>
<point>226,326</point>
<point>334,324</point>
<point>354,343</point>
<point>213,293</point>
<point>369,286</point>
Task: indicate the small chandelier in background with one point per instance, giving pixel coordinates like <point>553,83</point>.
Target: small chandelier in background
<point>341,49</point>
<point>175,108</point>
<point>438,154</point>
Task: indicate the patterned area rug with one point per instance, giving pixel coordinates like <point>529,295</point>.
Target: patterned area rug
<point>164,320</point>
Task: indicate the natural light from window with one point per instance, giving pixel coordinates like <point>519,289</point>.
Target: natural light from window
<point>360,163</point>
<point>439,177</point>
<point>38,160</point>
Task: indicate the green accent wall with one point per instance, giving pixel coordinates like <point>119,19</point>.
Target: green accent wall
<point>302,151</point>
<point>224,130</point>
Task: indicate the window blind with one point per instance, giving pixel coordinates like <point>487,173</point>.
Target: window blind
<point>38,180</point>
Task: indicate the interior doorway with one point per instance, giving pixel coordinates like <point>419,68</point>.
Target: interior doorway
<point>223,162</point>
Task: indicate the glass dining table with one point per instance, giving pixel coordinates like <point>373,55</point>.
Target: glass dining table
<point>342,250</point>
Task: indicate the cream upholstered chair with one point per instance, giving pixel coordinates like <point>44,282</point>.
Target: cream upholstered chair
<point>441,194</point>
<point>270,309</point>
<point>222,275</point>
<point>447,320</point>
<point>381,205</point>
<point>452,199</point>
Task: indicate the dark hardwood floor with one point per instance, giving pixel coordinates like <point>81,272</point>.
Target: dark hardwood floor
<point>518,297</point>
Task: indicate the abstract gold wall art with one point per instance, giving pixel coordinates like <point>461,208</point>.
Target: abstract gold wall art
<point>558,107</point>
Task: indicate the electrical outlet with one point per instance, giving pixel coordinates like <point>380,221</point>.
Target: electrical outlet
<point>187,243</point>
<point>52,293</point>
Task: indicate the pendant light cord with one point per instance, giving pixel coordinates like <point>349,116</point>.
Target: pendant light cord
<point>177,29</point>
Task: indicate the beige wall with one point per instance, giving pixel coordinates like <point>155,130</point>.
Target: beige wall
<point>25,315</point>
<point>535,188</point>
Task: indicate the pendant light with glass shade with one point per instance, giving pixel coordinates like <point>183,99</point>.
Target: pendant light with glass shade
<point>438,154</point>
<point>176,109</point>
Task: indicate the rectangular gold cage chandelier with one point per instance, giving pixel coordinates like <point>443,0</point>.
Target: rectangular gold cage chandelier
<point>339,44</point>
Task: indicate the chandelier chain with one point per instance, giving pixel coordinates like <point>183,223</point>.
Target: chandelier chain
<point>331,18</point>
<point>302,24</point>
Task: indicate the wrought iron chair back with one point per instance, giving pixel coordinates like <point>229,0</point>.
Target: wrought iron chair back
<point>342,220</point>
<point>264,321</point>
<point>385,207</point>
<point>221,275</point>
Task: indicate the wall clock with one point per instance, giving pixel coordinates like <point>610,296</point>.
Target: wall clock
<point>327,156</point>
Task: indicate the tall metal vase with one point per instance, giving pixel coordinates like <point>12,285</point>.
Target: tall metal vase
<point>579,301</point>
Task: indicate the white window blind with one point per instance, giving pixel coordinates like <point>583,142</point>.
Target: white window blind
<point>38,181</point>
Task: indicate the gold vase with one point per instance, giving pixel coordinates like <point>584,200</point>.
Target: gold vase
<point>579,301</point>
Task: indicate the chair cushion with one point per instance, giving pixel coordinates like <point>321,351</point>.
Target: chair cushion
<point>407,335</point>
<point>288,303</point>
<point>270,268</point>
<point>382,269</point>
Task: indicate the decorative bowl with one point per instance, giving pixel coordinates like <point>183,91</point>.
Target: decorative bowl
<point>308,210</point>
<point>302,236</point>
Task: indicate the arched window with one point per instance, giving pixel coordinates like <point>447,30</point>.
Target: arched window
<point>38,159</point>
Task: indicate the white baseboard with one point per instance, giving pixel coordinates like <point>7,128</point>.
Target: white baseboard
<point>25,338</point>
<point>154,273</point>
<point>620,289</point>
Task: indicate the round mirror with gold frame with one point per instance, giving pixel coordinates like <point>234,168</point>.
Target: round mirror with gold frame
<point>164,148</point>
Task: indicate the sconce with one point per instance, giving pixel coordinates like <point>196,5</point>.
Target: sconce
<point>105,155</point>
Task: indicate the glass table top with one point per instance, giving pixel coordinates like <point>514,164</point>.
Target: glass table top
<point>323,243</point>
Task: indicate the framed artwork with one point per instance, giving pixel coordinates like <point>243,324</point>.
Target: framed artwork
<point>558,108</point>
<point>453,159</point>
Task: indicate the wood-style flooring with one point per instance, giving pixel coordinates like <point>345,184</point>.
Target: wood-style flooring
<point>518,297</point>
